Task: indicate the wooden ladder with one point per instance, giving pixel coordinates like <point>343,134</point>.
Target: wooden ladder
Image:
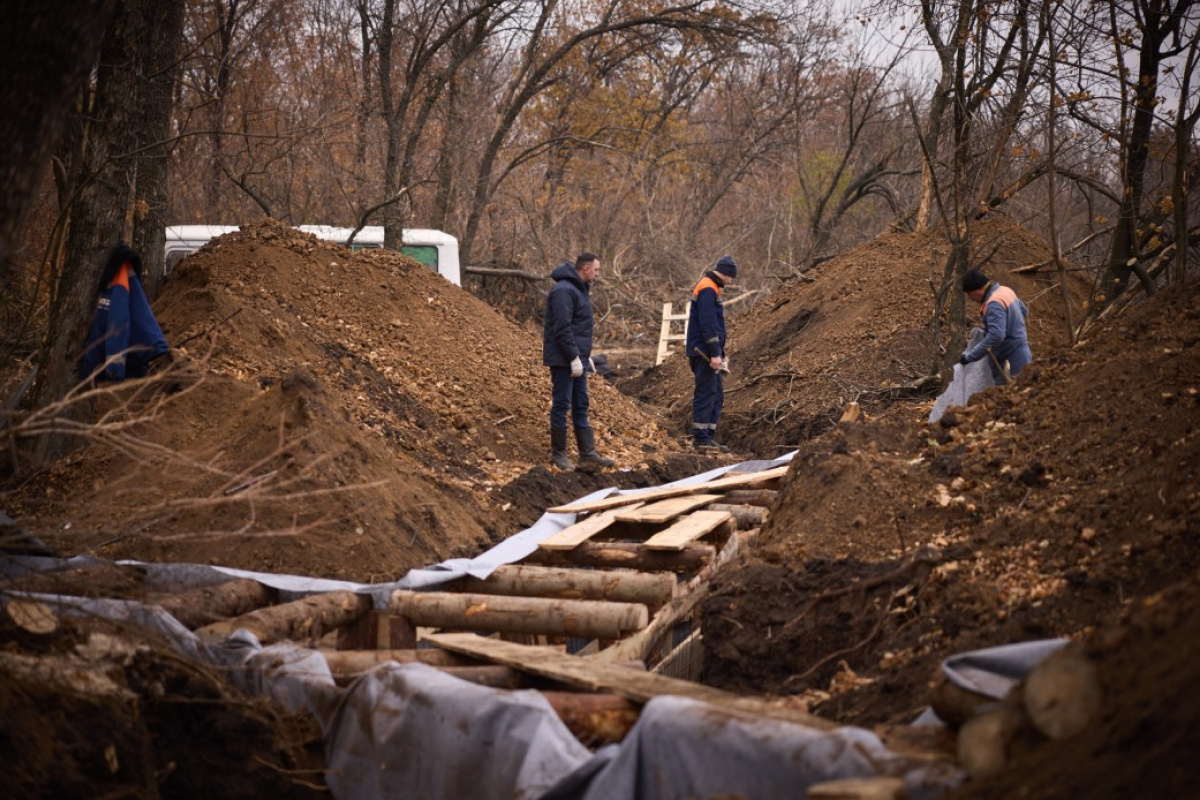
<point>665,337</point>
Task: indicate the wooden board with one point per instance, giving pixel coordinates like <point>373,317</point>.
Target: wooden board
<point>626,555</point>
<point>734,481</point>
<point>689,529</point>
<point>580,532</point>
<point>665,510</point>
<point>599,677</point>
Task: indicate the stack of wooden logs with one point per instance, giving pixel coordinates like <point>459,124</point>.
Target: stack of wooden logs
<point>1059,698</point>
<point>621,578</point>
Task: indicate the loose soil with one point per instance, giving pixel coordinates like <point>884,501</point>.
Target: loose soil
<point>857,328</point>
<point>1051,507</point>
<point>337,414</point>
<point>354,415</point>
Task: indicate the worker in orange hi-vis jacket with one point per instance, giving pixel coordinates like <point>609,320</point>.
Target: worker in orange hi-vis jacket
<point>706,352</point>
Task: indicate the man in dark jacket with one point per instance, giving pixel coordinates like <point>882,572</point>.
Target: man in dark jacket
<point>567,351</point>
<point>706,350</point>
<point>125,336</point>
<point>1003,317</point>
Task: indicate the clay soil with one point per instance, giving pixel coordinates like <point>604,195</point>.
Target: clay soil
<point>353,415</point>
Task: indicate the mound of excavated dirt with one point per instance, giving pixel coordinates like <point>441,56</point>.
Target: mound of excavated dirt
<point>95,709</point>
<point>1042,510</point>
<point>356,415</point>
<point>856,328</point>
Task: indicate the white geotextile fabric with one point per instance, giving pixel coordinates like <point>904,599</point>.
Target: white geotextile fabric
<point>969,379</point>
<point>996,670</point>
<point>411,731</point>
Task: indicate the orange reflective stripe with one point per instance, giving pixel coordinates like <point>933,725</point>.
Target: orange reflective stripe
<point>121,278</point>
<point>705,283</point>
<point>1003,295</point>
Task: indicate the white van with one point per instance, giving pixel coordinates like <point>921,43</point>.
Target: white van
<point>435,249</point>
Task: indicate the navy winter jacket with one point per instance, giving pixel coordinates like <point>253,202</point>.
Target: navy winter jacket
<point>123,329</point>
<point>706,319</point>
<point>567,333</point>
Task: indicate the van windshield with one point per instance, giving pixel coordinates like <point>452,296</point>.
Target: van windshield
<point>424,253</point>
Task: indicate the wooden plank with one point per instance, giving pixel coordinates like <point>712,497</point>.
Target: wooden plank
<point>626,555</point>
<point>595,676</point>
<point>738,480</point>
<point>580,532</point>
<point>665,510</point>
<point>689,529</point>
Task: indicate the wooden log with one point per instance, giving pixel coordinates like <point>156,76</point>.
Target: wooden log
<point>665,510</point>
<point>985,740</point>
<point>352,663</point>
<point>307,618</point>
<point>739,480</point>
<point>687,596</point>
<point>594,718</point>
<point>101,580</point>
<point>379,630</point>
<point>1062,694</point>
<point>746,516</point>
<point>31,616</point>
<point>764,498</point>
<point>690,528</point>
<point>594,676</point>
<point>624,586</point>
<point>880,787</point>
<point>628,555</point>
<point>492,675</point>
<point>953,704</point>
<point>198,607</point>
<point>592,619</point>
<point>575,535</point>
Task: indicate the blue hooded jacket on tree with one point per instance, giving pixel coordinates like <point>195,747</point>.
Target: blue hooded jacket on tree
<point>570,319</point>
<point>124,332</point>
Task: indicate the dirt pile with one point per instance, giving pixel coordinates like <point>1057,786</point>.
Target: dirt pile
<point>856,328</point>
<point>357,415</point>
<point>95,709</point>
<point>1041,510</point>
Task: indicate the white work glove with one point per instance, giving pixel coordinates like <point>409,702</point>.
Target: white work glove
<point>576,367</point>
<point>591,366</point>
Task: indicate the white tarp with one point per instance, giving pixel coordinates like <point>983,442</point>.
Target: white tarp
<point>969,379</point>
<point>411,731</point>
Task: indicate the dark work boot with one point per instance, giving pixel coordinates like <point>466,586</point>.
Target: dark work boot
<point>702,441</point>
<point>589,459</point>
<point>558,449</point>
<point>713,441</point>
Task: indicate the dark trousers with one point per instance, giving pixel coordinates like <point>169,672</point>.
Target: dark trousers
<point>569,394</point>
<point>708,398</point>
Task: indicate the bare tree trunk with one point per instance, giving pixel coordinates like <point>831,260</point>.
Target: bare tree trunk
<point>160,69</point>
<point>1159,23</point>
<point>363,113</point>
<point>393,220</point>
<point>448,160</point>
<point>46,51</point>
<point>97,212</point>
<point>1185,124</point>
<point>1051,154</point>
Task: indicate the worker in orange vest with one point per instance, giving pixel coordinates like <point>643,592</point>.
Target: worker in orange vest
<point>1003,316</point>
<point>706,352</point>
